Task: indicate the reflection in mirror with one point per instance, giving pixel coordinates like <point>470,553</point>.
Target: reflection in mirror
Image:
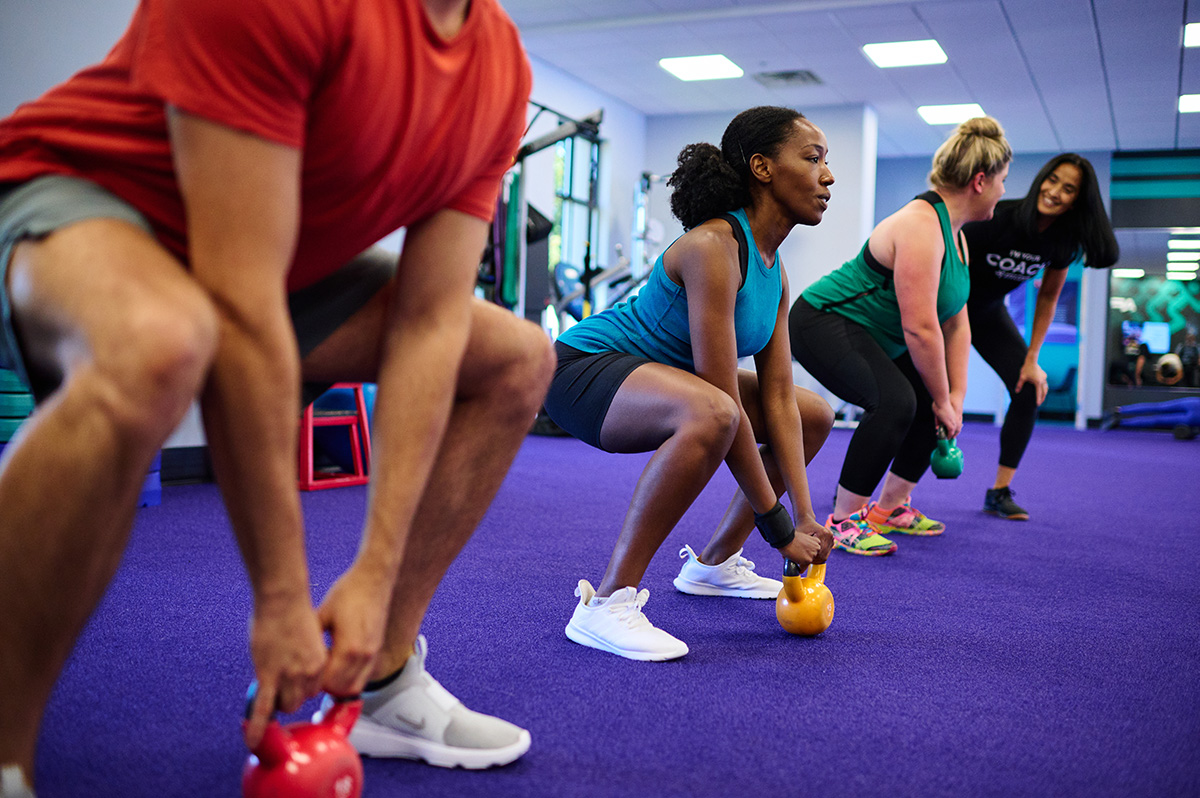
<point>1154,310</point>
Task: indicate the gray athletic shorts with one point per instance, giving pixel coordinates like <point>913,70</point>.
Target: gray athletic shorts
<point>40,206</point>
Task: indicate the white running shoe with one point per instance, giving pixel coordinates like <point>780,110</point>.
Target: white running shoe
<point>414,717</point>
<point>13,784</point>
<point>618,625</point>
<point>734,577</point>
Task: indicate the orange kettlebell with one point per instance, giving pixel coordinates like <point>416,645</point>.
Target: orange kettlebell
<point>306,760</point>
<point>804,605</point>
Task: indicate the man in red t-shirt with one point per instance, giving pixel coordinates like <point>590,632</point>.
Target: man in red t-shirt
<point>193,217</point>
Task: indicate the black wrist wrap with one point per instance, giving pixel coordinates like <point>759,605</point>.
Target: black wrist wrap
<point>775,526</point>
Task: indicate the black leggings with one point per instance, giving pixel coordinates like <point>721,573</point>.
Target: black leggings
<point>1001,345</point>
<point>897,427</point>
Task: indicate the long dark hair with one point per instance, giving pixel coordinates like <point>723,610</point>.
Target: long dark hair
<point>708,181</point>
<point>1085,226</point>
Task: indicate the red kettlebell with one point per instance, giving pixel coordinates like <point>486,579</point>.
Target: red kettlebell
<point>306,760</point>
<point>804,605</point>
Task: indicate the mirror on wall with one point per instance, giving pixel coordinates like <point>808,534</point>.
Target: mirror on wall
<point>1154,314</point>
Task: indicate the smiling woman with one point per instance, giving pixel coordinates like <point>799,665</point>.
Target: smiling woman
<point>1059,221</point>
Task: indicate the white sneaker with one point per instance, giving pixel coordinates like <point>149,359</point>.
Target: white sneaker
<point>618,625</point>
<point>734,577</point>
<point>414,717</point>
<point>13,784</point>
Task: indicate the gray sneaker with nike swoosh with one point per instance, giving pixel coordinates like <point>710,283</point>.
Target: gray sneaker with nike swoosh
<point>414,717</point>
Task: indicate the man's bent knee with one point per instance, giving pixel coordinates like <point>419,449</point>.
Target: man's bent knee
<point>147,385</point>
<point>509,359</point>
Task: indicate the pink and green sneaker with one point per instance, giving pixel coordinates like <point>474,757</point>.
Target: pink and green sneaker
<point>908,520</point>
<point>857,536</point>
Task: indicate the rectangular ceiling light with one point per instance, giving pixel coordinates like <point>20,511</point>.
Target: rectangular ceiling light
<point>701,67</point>
<point>1132,274</point>
<point>1181,276</point>
<point>1183,256</point>
<point>949,114</point>
<point>1183,243</point>
<point>902,54</point>
<point>1189,103</point>
<point>1191,34</point>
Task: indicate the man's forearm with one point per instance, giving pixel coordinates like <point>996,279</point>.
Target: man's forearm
<point>417,383</point>
<point>250,409</point>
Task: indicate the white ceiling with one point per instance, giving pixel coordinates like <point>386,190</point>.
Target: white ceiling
<point>1080,75</point>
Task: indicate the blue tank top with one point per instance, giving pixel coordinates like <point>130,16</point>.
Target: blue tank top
<point>654,323</point>
<point>864,292</point>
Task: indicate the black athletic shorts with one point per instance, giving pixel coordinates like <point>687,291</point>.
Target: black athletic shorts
<point>583,388</point>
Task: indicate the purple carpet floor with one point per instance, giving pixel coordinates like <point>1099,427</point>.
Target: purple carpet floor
<point>1054,657</point>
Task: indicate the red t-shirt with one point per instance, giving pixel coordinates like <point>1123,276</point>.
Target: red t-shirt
<point>394,122</point>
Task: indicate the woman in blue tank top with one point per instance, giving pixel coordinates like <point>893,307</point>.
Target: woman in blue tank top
<point>888,332</point>
<point>660,373</point>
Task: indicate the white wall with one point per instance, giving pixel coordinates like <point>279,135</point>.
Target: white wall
<point>43,42</point>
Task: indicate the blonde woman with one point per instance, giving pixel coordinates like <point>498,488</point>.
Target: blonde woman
<point>888,331</point>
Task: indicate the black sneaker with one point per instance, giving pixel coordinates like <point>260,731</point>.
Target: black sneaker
<point>999,501</point>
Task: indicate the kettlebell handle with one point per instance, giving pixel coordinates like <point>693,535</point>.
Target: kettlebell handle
<point>277,742</point>
<point>341,716</point>
<point>252,693</point>
<point>817,572</point>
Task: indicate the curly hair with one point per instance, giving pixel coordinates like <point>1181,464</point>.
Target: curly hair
<point>708,181</point>
<point>977,145</point>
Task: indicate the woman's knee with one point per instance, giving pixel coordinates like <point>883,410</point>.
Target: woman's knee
<point>894,412</point>
<point>816,415</point>
<point>710,418</point>
<point>1024,401</point>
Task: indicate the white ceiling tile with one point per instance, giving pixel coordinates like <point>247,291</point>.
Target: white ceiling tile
<point>1060,74</point>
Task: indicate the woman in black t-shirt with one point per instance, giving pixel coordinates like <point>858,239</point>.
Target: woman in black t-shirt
<point>1061,220</point>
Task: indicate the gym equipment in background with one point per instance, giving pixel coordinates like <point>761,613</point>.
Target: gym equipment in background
<point>1181,416</point>
<point>16,404</point>
<point>1169,369</point>
<point>508,274</point>
<point>344,406</point>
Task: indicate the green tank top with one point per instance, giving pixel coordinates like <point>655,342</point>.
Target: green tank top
<point>863,290</point>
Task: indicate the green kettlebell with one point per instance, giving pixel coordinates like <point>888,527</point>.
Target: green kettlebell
<point>947,458</point>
